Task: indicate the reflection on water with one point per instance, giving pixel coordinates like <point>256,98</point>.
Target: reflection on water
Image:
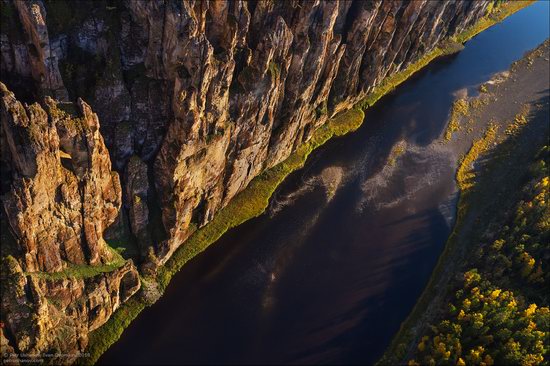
<point>331,270</point>
<point>329,179</point>
<point>407,174</point>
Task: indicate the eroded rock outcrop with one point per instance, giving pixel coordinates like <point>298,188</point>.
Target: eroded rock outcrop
<point>52,316</point>
<point>195,99</point>
<point>60,280</point>
<point>64,193</point>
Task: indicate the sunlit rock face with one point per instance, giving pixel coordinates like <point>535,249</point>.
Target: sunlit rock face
<point>150,116</point>
<point>63,194</point>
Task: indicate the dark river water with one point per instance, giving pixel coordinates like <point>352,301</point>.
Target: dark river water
<point>335,265</point>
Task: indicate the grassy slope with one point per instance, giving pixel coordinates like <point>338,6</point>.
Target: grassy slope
<point>101,339</point>
<point>83,270</point>
<point>78,271</point>
<point>252,201</point>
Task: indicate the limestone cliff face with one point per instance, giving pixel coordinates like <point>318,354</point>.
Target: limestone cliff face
<point>62,196</point>
<point>193,100</point>
<point>63,193</point>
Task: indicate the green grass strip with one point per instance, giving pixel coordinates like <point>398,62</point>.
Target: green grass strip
<point>77,271</point>
<point>103,337</point>
<point>83,270</point>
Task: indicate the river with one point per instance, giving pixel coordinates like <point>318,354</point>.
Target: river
<point>339,259</point>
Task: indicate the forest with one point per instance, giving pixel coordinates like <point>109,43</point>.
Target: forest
<point>499,311</point>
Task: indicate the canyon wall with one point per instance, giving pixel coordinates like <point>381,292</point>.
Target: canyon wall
<point>129,124</point>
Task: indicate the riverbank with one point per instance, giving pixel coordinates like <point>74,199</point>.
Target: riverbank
<point>258,193</point>
<point>509,121</point>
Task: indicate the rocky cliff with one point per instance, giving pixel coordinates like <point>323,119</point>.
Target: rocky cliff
<point>133,122</point>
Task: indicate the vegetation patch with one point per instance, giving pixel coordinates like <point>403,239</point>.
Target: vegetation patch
<point>103,337</point>
<point>396,152</point>
<point>499,314</point>
<point>77,271</point>
<point>125,244</point>
<point>321,110</point>
<point>520,120</point>
<point>66,115</point>
<point>465,173</point>
<point>83,270</point>
<point>461,108</point>
<point>478,102</point>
